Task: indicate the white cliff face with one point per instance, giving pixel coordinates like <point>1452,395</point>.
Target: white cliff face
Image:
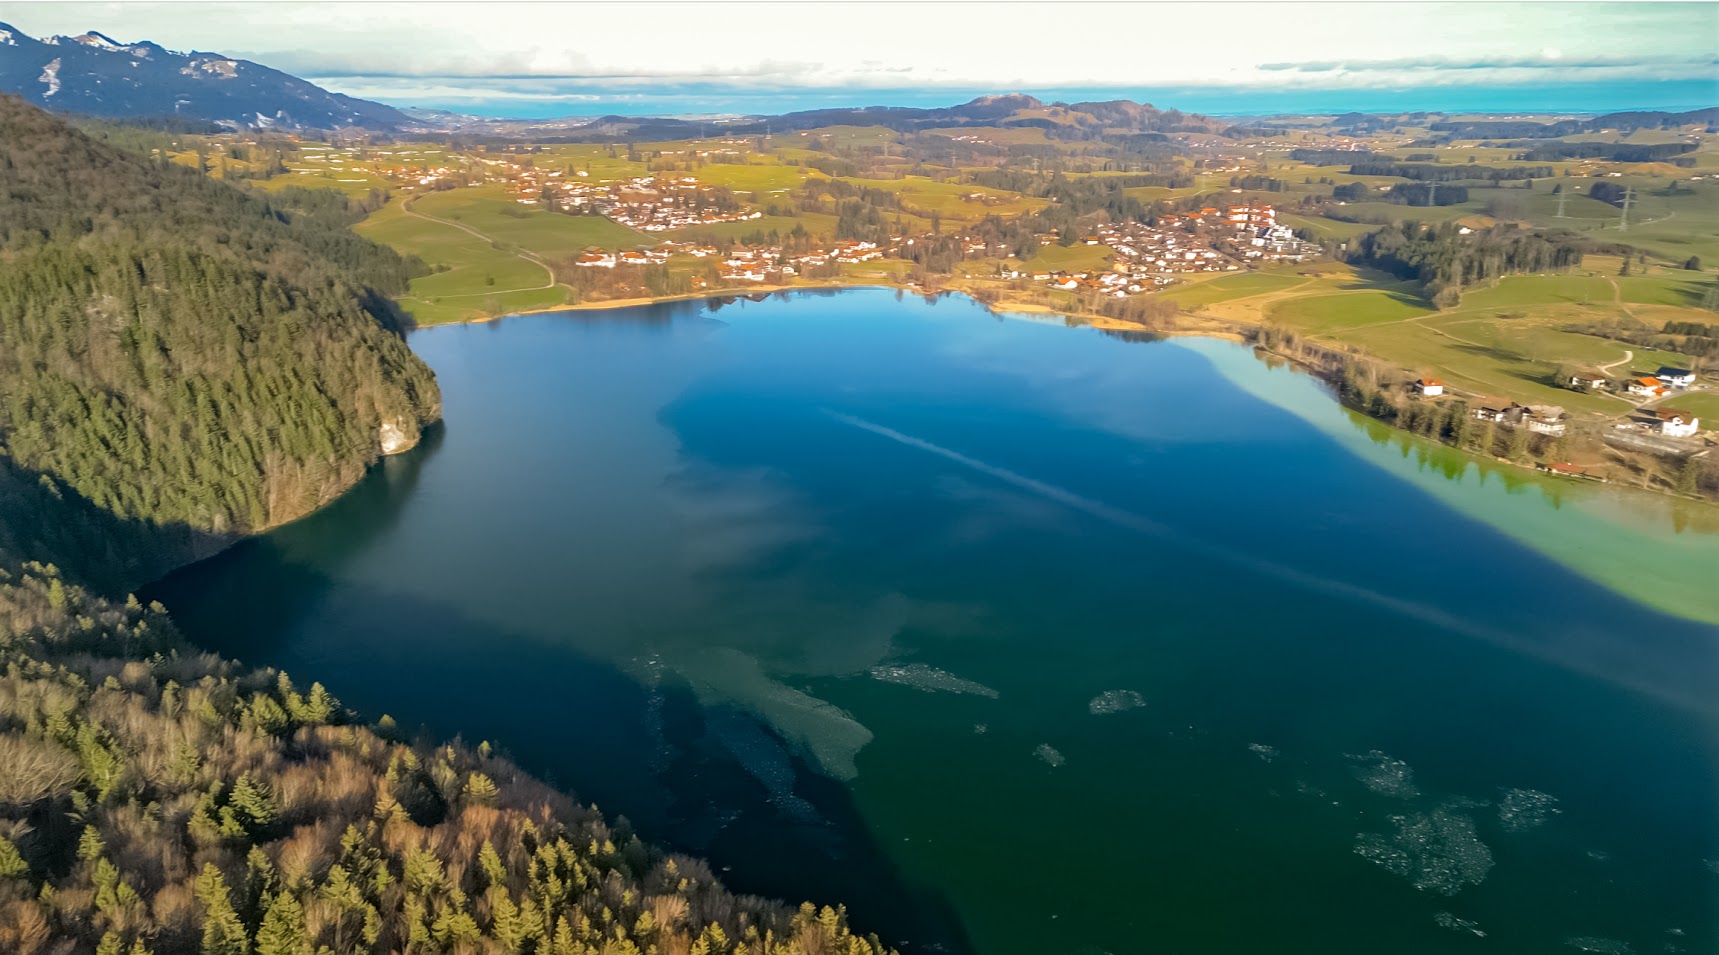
<point>395,439</point>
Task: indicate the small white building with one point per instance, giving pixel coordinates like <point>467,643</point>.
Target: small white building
<point>1429,387</point>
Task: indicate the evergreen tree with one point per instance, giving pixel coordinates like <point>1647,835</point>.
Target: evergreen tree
<point>283,930</point>
<point>223,933</point>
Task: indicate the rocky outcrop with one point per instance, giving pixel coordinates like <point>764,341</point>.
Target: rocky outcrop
<point>398,436</point>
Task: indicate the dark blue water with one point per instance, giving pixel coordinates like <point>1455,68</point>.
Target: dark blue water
<point>1015,637</point>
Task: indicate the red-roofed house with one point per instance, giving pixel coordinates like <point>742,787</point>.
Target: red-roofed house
<point>1645,387</point>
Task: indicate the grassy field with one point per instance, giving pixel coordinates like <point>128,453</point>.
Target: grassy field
<point>1702,404</point>
<point>491,209</point>
<point>1674,227</point>
<point>759,179</point>
<point>1322,314</point>
<point>475,277</point>
<point>1520,290</point>
<point>924,196</point>
<point>1323,228</point>
<point>1228,287</point>
<point>1073,258</point>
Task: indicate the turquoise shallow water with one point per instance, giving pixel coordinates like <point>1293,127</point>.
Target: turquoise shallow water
<point>1022,638</point>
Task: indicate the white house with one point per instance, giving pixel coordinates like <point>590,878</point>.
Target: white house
<point>1676,377</point>
<point>1429,387</point>
<point>1677,424</point>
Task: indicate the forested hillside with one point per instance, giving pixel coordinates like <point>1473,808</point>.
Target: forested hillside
<point>183,360</point>
<point>158,801</point>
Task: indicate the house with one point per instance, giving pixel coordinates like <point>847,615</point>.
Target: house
<point>1676,377</point>
<point>1493,409</point>
<point>1429,387</point>
<point>1544,419</point>
<point>1587,381</point>
<point>1676,424</point>
<point>1644,387</point>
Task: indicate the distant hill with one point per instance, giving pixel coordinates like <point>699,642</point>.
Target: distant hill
<point>1059,120</point>
<point>96,75</point>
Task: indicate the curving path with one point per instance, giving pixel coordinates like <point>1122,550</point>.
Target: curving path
<point>406,207</point>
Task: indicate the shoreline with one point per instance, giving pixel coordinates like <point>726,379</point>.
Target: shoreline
<point>1208,327</point>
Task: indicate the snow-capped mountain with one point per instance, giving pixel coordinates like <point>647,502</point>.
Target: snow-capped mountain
<point>100,76</point>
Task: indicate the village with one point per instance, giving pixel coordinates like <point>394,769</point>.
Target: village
<point>1141,257</point>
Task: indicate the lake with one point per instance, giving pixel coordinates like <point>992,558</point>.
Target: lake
<point>1020,638</point>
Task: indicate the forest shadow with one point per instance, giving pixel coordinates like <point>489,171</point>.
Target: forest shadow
<point>43,519</point>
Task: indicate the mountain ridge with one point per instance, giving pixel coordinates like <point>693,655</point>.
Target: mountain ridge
<point>94,74</point>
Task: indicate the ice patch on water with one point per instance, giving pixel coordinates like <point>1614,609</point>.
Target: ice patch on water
<point>1115,701</point>
<point>1267,753</point>
<point>1712,865</point>
<point>1455,924</point>
<point>1599,855</point>
<point>1604,946</point>
<point>1385,775</point>
<point>1520,810</point>
<point>820,729</point>
<point>980,728</point>
<point>1049,754</point>
<point>1437,851</point>
<point>930,679</point>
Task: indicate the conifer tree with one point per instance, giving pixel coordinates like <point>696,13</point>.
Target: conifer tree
<point>223,933</point>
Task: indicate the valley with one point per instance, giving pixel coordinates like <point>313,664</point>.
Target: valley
<point>1199,229</point>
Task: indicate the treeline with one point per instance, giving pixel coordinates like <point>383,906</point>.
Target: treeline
<point>161,801</point>
<point>1444,261</point>
<point>1615,152</point>
<point>1258,183</point>
<point>1686,338</point>
<point>1625,122</point>
<point>1332,157</point>
<point>186,356</point>
<point>1405,193</point>
<point>1438,172</point>
<point>1610,193</point>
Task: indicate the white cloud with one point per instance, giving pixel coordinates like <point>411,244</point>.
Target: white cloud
<point>565,49</point>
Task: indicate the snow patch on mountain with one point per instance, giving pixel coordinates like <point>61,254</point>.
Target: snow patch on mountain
<point>97,41</point>
<point>51,76</point>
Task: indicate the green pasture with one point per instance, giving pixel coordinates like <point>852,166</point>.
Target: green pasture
<point>474,277</point>
<point>492,210</point>
<point>1343,311</point>
<point>1228,287</point>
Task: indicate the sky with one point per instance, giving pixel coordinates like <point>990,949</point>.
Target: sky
<point>556,59</point>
